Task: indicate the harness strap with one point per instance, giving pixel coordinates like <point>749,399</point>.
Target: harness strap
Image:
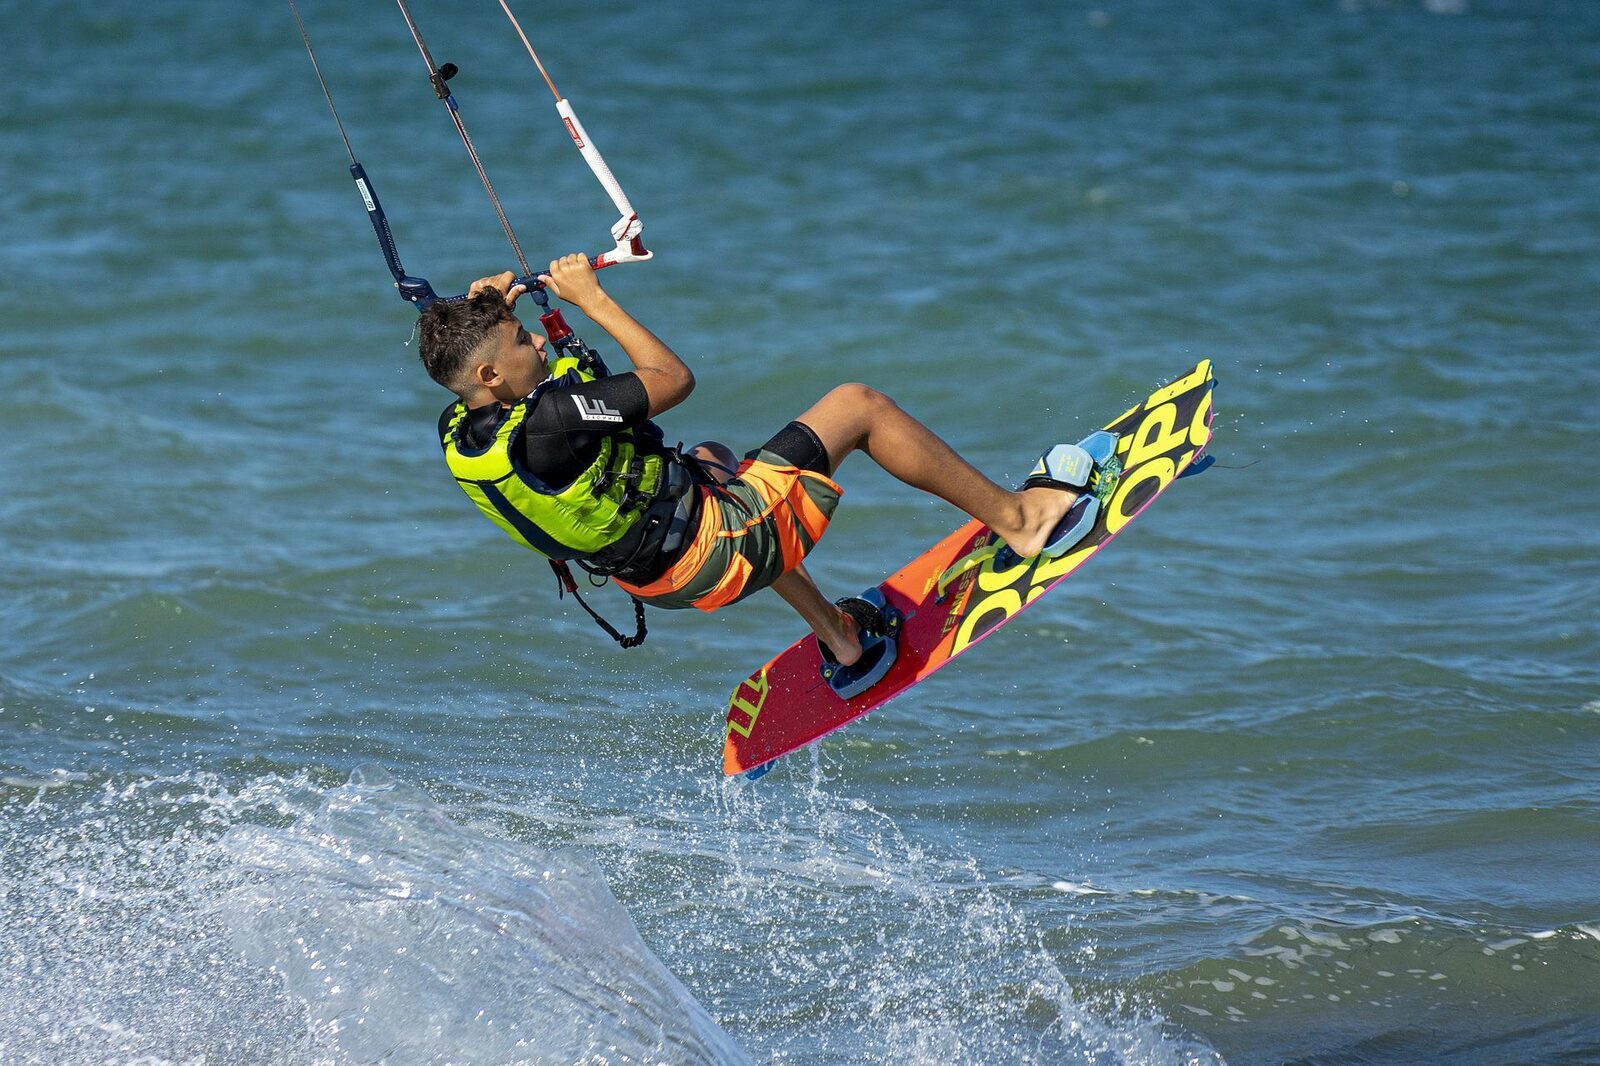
<point>565,583</point>
<point>632,497</point>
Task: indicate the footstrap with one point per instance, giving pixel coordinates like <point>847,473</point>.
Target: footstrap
<point>868,618</point>
<point>878,624</point>
<point>565,583</point>
<point>867,615</point>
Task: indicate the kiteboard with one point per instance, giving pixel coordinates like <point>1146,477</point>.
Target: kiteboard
<point>964,588</point>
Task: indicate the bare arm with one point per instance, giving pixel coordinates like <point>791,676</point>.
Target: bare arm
<point>667,379</point>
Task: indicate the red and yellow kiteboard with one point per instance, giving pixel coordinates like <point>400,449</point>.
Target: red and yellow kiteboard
<point>962,589</point>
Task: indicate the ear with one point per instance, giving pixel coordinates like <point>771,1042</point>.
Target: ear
<point>485,375</point>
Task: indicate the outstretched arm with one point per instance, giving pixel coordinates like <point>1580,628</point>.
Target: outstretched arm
<point>667,379</point>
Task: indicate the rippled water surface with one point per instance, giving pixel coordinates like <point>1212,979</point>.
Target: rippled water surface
<point>302,762</point>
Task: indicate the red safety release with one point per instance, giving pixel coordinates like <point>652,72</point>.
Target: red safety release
<point>555,327</point>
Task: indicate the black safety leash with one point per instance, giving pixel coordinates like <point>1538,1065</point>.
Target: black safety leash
<point>565,583</point>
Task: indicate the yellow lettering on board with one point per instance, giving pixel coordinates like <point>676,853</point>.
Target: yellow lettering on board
<point>1200,424</point>
<point>992,580</point>
<point>1162,470</point>
<point>1145,451</point>
<point>737,702</point>
<point>1051,569</point>
<point>1157,435</point>
<point>1008,601</point>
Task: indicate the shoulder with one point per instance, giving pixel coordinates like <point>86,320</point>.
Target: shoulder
<point>472,430</point>
<point>609,402</point>
<point>447,417</point>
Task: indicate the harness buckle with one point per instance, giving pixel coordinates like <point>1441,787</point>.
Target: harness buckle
<point>631,496</point>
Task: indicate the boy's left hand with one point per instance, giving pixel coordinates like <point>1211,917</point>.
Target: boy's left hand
<point>501,282</point>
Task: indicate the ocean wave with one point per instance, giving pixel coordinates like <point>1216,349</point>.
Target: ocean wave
<point>1418,987</point>
<point>181,919</point>
<point>294,918</point>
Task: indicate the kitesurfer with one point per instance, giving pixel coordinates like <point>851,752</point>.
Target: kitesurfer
<point>567,460</point>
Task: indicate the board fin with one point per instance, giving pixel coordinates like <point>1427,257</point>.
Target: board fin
<point>1199,466</point>
<point>756,773</point>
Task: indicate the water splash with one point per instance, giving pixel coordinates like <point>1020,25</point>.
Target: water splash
<point>413,939</point>
<point>181,920</point>
<point>112,950</point>
<point>840,935</point>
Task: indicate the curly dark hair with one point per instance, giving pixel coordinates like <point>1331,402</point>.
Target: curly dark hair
<point>450,332</point>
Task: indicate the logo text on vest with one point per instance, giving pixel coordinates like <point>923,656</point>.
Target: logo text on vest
<point>596,410</point>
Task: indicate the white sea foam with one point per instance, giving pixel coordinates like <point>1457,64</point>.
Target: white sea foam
<point>378,904</point>
<point>179,920</point>
<point>54,779</point>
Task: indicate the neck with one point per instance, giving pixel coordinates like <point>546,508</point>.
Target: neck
<point>477,398</point>
<point>504,393</point>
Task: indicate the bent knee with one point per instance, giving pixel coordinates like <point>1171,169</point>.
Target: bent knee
<point>719,456</point>
<point>857,395</point>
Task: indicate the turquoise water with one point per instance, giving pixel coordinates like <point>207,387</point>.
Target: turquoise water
<point>300,761</point>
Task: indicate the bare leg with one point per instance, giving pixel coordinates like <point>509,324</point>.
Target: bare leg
<point>831,625</point>
<point>860,418</point>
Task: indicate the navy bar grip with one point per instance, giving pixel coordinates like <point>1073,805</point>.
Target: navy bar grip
<point>380,221</point>
<point>413,290</point>
<point>419,292</point>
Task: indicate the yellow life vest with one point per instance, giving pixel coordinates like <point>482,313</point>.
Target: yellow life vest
<point>573,521</point>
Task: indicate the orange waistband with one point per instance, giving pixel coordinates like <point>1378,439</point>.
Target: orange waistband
<point>776,485</point>
<point>689,563</point>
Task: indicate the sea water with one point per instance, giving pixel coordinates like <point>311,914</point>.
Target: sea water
<point>301,761</point>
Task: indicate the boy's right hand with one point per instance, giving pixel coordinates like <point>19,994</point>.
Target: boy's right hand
<point>572,279</point>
